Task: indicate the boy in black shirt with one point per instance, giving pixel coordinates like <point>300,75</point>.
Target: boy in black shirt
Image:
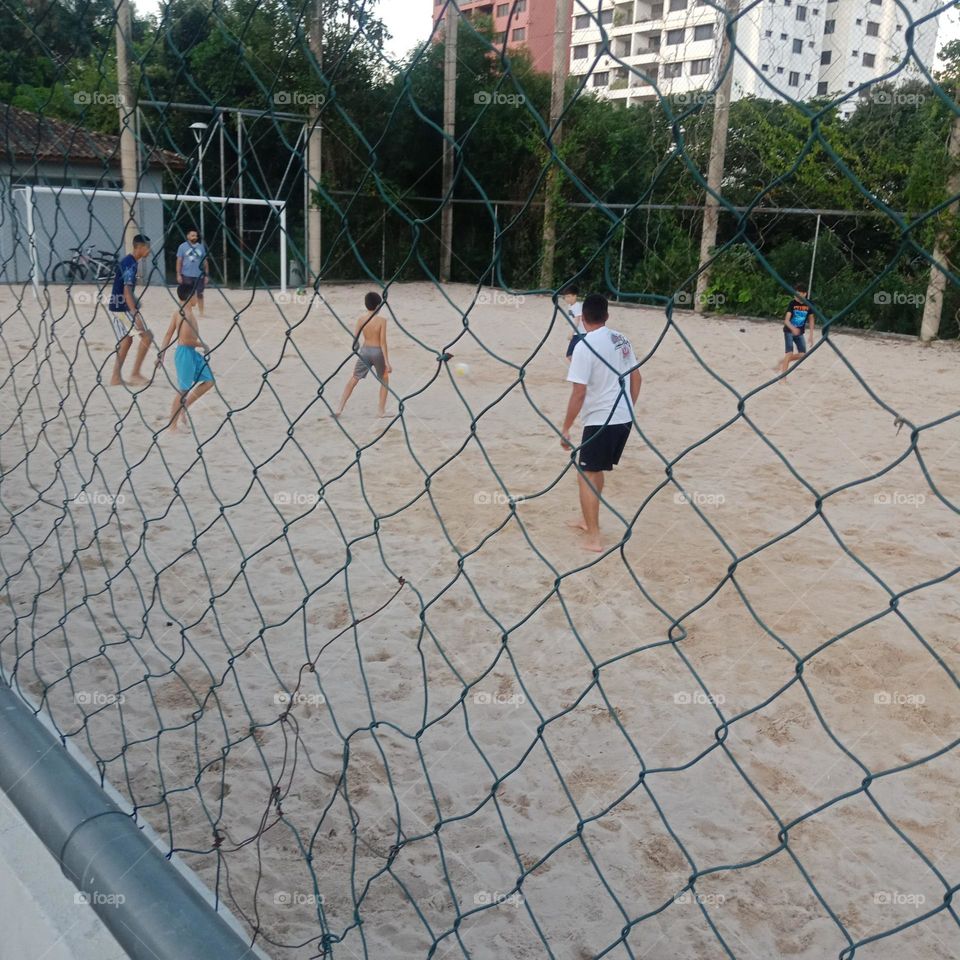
<point>798,317</point>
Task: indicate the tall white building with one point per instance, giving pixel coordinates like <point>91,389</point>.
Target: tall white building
<point>794,49</point>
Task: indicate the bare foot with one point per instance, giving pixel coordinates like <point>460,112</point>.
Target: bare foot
<point>592,544</point>
<point>138,380</point>
<point>384,415</point>
<point>117,382</point>
<point>577,525</point>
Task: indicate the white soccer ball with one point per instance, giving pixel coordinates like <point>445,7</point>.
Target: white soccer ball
<point>461,369</point>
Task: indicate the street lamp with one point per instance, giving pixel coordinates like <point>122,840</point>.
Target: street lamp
<point>198,129</point>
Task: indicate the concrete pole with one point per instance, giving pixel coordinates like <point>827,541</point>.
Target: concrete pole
<point>718,156</point>
<point>451,22</point>
<point>933,305</point>
<point>315,152</point>
<point>127,109</point>
<point>561,66</point>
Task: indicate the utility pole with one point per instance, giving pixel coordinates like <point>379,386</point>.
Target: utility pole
<point>561,67</point>
<point>933,305</point>
<point>314,152</point>
<point>127,109</point>
<point>718,156</point>
<point>451,22</point>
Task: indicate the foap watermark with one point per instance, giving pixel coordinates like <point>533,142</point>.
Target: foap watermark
<point>684,298</point>
<point>693,97</point>
<point>896,698</point>
<point>487,98</point>
<point>495,498</point>
<point>499,699</point>
<point>282,698</point>
<point>896,97</point>
<point>294,498</point>
<point>288,297</point>
<point>685,697</point>
<point>498,298</point>
<point>87,298</point>
<point>97,898</point>
<point>94,98</point>
<point>897,498</point>
<point>706,899</point>
<point>897,298</point>
<point>97,698</point>
<point>294,898</point>
<point>486,898</point>
<point>700,498</point>
<point>898,898</point>
<point>96,499</point>
<point>298,98</point>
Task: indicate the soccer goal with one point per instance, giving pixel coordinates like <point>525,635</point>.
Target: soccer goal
<point>60,222</point>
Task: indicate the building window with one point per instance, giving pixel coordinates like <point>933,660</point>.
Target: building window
<point>798,46</point>
<point>520,6</point>
<point>582,22</point>
<point>499,37</point>
<point>703,32</point>
<point>768,33</point>
<point>699,67</point>
<point>794,79</point>
<point>503,9</point>
<point>826,57</point>
<point>876,3</point>
<point>672,69</point>
<point>783,36</point>
<point>519,34</point>
<point>601,79</point>
<point>674,37</point>
<point>765,68</point>
<point>779,69</point>
<point>822,88</point>
<point>873,28</point>
<point>581,51</point>
<point>677,5</point>
<point>801,13</point>
<point>606,17</point>
<point>869,60</point>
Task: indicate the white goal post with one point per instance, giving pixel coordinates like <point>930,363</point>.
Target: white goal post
<point>29,192</point>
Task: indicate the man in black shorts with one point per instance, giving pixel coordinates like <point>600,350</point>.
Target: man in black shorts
<point>606,385</point>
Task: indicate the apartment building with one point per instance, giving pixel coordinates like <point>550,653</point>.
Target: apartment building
<point>786,48</point>
<point>522,23</point>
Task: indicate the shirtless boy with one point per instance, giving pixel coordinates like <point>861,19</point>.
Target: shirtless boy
<point>193,374</point>
<point>373,354</point>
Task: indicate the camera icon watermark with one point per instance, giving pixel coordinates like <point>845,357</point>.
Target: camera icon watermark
<point>294,898</point>
<point>499,298</point>
<point>688,697</point>
<point>699,498</point>
<point>484,898</point>
<point>898,498</point>
<point>295,498</point>
<point>97,698</point>
<point>488,98</point>
<point>283,699</point>
<point>298,98</point>
<point>94,98</point>
<point>482,697</point>
<point>895,97</point>
<point>897,298</point>
<point>895,698</point>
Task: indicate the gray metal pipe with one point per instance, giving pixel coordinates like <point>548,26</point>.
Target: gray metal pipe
<point>150,907</point>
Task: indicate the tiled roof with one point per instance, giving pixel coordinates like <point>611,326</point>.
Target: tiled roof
<point>26,136</point>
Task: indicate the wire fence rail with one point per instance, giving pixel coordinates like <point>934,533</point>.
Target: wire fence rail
<point>351,674</point>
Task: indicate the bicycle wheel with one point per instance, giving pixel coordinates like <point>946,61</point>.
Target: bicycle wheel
<point>66,271</point>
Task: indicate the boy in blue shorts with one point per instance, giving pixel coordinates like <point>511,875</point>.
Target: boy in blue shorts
<point>193,375</point>
<point>125,314</point>
<point>799,317</point>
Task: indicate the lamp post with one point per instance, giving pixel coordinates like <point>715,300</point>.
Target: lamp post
<point>198,129</point>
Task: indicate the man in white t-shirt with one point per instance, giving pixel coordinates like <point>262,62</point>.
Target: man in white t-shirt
<point>606,384</point>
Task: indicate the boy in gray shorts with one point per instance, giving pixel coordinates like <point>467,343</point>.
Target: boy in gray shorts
<point>372,355</point>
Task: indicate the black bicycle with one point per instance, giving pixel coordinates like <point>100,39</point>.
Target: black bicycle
<point>85,266</point>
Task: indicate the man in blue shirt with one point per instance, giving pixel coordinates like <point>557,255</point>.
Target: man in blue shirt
<point>125,314</point>
<point>193,266</point>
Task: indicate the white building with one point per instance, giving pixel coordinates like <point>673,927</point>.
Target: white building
<point>630,50</point>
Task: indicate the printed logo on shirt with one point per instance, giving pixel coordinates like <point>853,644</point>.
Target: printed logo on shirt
<point>621,343</point>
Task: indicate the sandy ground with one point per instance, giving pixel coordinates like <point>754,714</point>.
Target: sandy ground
<point>710,701</point>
